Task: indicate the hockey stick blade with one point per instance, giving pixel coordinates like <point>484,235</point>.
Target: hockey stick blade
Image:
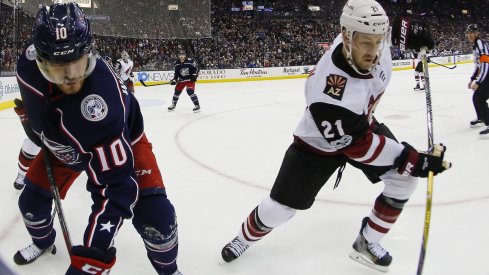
<point>150,85</point>
<point>444,66</point>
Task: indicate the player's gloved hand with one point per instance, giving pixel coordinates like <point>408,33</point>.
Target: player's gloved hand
<point>411,34</point>
<point>417,164</point>
<point>91,260</point>
<point>173,82</point>
<point>131,74</point>
<point>193,78</point>
<point>24,119</point>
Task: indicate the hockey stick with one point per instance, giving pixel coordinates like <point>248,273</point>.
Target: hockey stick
<point>56,197</point>
<point>150,85</point>
<point>429,192</point>
<point>450,68</point>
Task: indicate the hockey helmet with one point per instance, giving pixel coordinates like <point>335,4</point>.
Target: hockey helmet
<point>182,53</point>
<point>364,16</point>
<point>124,55</point>
<point>62,35</point>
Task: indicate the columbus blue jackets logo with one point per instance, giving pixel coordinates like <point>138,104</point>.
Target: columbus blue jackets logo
<point>94,108</point>
<point>335,86</point>
<point>64,153</point>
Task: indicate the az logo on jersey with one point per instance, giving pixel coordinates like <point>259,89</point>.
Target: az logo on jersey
<point>335,86</point>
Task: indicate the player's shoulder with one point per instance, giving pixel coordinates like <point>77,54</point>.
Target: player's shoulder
<point>27,61</point>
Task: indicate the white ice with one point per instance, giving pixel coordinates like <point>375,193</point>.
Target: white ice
<point>218,165</point>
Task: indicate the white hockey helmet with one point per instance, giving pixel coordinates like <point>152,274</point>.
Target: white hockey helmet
<point>124,55</point>
<point>364,16</point>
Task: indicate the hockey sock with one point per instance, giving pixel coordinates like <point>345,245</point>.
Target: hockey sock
<point>36,211</point>
<point>25,160</point>
<point>383,216</point>
<point>158,230</point>
<point>253,230</point>
<point>176,95</point>
<point>193,96</point>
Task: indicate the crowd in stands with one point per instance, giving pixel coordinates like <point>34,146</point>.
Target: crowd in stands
<point>283,33</point>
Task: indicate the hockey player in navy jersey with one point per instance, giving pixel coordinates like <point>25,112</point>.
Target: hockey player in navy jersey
<point>186,73</point>
<point>338,127</point>
<point>81,111</point>
<point>479,80</point>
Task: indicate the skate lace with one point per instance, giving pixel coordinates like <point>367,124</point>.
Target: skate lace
<point>30,252</point>
<point>377,250</point>
<point>238,247</point>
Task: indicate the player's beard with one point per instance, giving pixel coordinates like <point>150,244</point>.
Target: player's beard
<point>71,88</point>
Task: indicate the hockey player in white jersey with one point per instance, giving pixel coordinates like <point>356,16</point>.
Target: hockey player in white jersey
<point>338,127</point>
<point>123,67</point>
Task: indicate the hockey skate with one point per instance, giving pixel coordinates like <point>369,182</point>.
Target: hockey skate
<point>417,87</point>
<point>484,134</point>
<point>476,123</point>
<point>31,253</point>
<point>177,272</point>
<point>233,250</point>
<point>196,109</point>
<point>372,255</point>
<point>19,182</point>
<point>172,107</point>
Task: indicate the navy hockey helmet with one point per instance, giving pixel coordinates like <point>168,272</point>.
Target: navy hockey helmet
<point>62,35</point>
<point>472,28</point>
<point>182,53</point>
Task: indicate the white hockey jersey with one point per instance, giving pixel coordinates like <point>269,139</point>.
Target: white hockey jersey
<point>124,68</point>
<point>340,106</point>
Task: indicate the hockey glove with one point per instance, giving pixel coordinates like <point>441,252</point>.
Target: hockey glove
<point>24,119</point>
<point>91,260</point>
<point>193,78</point>
<point>173,82</point>
<point>411,34</point>
<point>416,164</point>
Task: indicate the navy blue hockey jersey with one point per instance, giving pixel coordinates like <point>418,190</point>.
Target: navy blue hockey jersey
<point>90,131</point>
<point>186,70</point>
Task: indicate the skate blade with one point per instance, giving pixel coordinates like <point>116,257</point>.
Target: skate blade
<point>485,136</point>
<point>198,111</point>
<point>358,257</point>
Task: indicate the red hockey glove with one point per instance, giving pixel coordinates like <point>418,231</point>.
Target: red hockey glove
<point>414,163</point>
<point>91,260</point>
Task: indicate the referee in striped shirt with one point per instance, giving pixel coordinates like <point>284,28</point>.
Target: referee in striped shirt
<point>479,81</point>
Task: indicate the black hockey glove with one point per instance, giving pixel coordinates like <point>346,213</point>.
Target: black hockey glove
<point>173,82</point>
<point>90,260</point>
<point>193,78</point>
<point>414,163</point>
<point>24,119</point>
<point>411,34</point>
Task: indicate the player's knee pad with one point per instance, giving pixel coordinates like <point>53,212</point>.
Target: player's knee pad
<point>190,92</point>
<point>36,212</point>
<point>273,214</point>
<point>30,147</point>
<point>398,186</point>
<point>155,220</point>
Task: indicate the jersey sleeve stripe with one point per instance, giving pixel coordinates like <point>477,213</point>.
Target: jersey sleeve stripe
<point>364,149</point>
<point>29,87</point>
<point>378,149</point>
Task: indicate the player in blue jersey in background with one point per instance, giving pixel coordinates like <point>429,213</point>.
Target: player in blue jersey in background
<point>186,73</point>
<point>78,107</point>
